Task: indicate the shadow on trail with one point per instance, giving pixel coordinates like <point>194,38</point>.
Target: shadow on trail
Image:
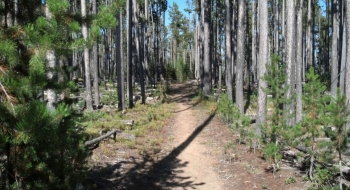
<point>154,171</point>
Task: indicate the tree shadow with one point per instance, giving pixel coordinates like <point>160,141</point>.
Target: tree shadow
<point>153,171</point>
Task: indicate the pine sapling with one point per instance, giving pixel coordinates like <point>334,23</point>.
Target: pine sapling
<point>337,118</point>
<point>314,102</point>
<point>276,78</point>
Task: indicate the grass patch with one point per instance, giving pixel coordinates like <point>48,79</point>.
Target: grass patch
<point>148,122</point>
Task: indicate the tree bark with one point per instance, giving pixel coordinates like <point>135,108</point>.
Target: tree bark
<point>347,77</point>
<point>254,33</point>
<point>120,63</point>
<point>228,52</point>
<point>95,63</point>
<point>240,55</point>
<point>299,63</point>
<point>290,53</point>
<point>129,46</point>
<point>207,54</point>
<point>335,49</point>
<point>51,65</point>
<point>86,58</point>
<point>263,58</point>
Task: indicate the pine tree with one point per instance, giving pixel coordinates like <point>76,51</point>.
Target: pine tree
<point>337,118</point>
<point>314,102</point>
<point>274,130</point>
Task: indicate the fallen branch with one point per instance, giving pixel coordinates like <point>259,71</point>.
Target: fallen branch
<point>127,122</point>
<point>98,139</point>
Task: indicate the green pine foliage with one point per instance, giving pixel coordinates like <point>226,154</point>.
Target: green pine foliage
<point>313,124</point>
<point>40,149</point>
<point>229,113</point>
<point>182,71</point>
<point>275,129</point>
<point>337,117</point>
<point>276,79</point>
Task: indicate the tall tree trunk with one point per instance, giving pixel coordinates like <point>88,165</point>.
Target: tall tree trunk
<point>290,53</point>
<point>263,58</point>
<point>120,63</point>
<point>309,50</point>
<point>228,54</point>
<point>207,53</point>
<point>299,62</point>
<point>197,67</point>
<point>240,55</point>
<point>275,29</point>
<point>138,49</point>
<point>347,77</point>
<point>335,47</point>
<point>95,63</point>
<point>343,60</point>
<point>51,65</point>
<point>86,58</point>
<point>130,26</point>
<point>146,44</point>
<point>254,33</point>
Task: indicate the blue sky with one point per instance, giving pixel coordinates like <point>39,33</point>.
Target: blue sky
<point>182,5</point>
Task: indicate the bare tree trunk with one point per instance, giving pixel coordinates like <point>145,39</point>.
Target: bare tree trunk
<point>138,49</point>
<point>343,60</point>
<point>51,74</point>
<point>129,81</point>
<point>290,53</point>
<point>276,25</point>
<point>263,59</point>
<point>207,54</point>
<point>146,44</point>
<point>347,77</point>
<point>228,55</point>
<point>335,49</point>
<point>309,50</point>
<point>120,63</point>
<point>254,33</point>
<point>240,55</point>
<point>197,67</point>
<point>86,58</point>
<point>95,63</point>
<point>299,62</point>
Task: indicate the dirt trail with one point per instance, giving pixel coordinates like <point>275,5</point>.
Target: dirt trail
<point>197,166</point>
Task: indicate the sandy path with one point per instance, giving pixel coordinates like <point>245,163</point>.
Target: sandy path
<point>196,166</point>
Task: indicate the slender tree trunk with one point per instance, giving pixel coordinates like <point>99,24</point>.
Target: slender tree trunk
<point>299,62</point>
<point>283,26</point>
<point>207,53</point>
<point>138,49</point>
<point>51,75</point>
<point>86,59</point>
<point>343,60</point>
<point>263,59</point>
<point>240,55</point>
<point>309,36</point>
<point>335,45</point>
<point>95,63</point>
<point>228,54</point>
<point>290,53</point>
<point>254,33</point>
<point>146,44</point>
<point>347,76</point>
<point>120,63</point>
<point>130,27</point>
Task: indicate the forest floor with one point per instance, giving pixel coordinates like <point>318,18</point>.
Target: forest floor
<point>199,152</point>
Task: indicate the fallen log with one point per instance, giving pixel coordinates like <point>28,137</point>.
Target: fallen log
<point>98,139</point>
<point>127,122</point>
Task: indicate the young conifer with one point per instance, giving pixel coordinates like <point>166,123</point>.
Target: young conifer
<point>273,130</point>
<point>314,101</point>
